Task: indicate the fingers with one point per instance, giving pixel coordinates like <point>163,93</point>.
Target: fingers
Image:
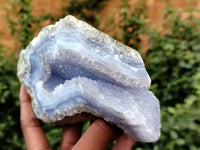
<point>70,135</point>
<point>27,115</point>
<point>124,142</point>
<point>32,131</point>
<point>97,136</point>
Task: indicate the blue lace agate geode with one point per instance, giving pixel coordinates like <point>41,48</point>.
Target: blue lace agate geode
<point>71,69</point>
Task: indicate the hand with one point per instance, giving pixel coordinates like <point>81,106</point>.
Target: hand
<point>97,136</point>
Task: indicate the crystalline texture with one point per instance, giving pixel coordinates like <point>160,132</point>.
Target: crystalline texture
<point>72,69</point>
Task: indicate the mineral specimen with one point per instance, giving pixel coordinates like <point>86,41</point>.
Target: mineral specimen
<point>71,70</point>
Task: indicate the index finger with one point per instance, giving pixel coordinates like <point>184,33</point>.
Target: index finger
<point>33,133</point>
<point>97,136</point>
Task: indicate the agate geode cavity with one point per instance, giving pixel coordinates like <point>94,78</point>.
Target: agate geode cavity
<point>72,71</point>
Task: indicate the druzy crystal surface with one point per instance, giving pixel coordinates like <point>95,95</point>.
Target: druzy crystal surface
<point>71,69</point>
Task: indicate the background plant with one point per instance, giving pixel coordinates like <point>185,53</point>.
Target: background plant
<point>133,23</point>
<point>85,10</point>
<point>22,23</point>
<point>10,134</point>
<point>175,53</point>
<point>173,62</point>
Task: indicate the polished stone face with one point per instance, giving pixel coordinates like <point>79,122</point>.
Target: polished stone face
<point>71,68</point>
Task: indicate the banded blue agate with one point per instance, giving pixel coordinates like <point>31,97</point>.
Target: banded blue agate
<point>71,69</point>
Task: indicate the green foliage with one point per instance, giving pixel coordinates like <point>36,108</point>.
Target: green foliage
<point>174,57</point>
<point>53,133</point>
<point>22,23</point>
<point>86,10</point>
<point>173,62</point>
<point>10,133</point>
<point>132,23</point>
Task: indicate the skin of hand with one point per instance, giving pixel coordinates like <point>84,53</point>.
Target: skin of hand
<point>97,136</point>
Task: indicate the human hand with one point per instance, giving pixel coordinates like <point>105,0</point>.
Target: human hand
<point>97,136</point>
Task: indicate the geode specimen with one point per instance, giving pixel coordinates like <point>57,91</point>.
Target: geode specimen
<point>71,70</point>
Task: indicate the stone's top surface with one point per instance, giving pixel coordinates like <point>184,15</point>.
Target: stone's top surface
<point>91,45</point>
<point>71,68</point>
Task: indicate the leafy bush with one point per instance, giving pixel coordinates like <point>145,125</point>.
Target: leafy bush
<point>22,23</point>
<point>174,56</point>
<point>133,23</point>
<point>173,62</point>
<point>10,134</point>
<point>85,10</point>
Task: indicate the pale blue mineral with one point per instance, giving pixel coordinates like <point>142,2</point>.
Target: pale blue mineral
<point>71,68</point>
